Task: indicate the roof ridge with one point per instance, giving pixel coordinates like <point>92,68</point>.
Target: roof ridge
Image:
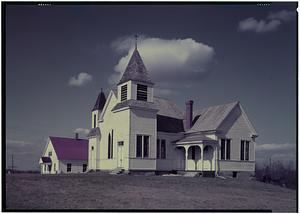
<point>235,102</point>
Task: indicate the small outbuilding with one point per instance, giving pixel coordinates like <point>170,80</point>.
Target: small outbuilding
<point>64,155</point>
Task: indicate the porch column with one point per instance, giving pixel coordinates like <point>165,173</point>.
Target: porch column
<point>186,157</point>
<point>215,158</point>
<point>201,147</point>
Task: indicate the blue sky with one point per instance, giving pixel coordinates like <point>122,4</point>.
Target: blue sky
<point>59,57</point>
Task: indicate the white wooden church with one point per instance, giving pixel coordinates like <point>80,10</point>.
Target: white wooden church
<point>134,131</point>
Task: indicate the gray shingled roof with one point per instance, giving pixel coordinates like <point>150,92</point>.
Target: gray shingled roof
<point>211,117</point>
<point>136,70</point>
<point>135,104</point>
<point>167,108</point>
<point>197,137</point>
<point>100,101</point>
<point>94,132</point>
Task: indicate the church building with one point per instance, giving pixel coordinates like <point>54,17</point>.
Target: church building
<point>132,130</point>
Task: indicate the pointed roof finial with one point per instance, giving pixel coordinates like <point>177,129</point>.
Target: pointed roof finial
<point>136,37</point>
<point>101,90</point>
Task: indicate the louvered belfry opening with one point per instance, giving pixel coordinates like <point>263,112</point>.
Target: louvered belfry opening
<point>142,92</point>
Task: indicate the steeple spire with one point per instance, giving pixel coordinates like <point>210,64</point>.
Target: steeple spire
<point>136,37</point>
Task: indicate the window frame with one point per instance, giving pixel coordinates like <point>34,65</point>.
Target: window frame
<point>141,153</point>
<point>69,167</point>
<point>84,167</point>
<point>242,150</point>
<point>160,152</point>
<point>247,151</point>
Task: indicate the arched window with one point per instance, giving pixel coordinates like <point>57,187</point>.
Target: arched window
<point>109,146</point>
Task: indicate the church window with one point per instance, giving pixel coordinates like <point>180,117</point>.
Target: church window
<point>222,149</point>
<point>69,167</point>
<point>228,149</point>
<point>49,154</point>
<point>247,151</point>
<point>94,120</point>
<point>141,92</point>
<point>225,149</point>
<point>142,146</point>
<point>242,149</point>
<point>110,144</point>
<point>161,149</point>
<point>123,92</point>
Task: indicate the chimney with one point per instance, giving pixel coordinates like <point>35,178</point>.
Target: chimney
<point>76,136</point>
<point>189,113</point>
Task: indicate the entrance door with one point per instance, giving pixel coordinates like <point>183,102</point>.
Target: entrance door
<point>120,153</point>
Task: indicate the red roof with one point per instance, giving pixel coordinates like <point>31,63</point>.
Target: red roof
<point>70,148</point>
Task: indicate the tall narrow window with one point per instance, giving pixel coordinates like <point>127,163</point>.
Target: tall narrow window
<point>141,92</point>
<point>228,149</point>
<point>158,148</point>
<point>142,146</point>
<point>146,146</point>
<point>222,149</point>
<point>69,167</point>
<point>123,92</point>
<point>94,120</point>
<point>242,149</point>
<point>163,149</point>
<point>139,145</point>
<point>247,150</point>
<point>112,144</point>
<point>109,147</point>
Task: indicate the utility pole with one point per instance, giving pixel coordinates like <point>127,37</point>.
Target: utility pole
<point>12,163</point>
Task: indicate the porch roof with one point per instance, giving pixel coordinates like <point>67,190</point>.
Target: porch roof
<point>194,138</point>
<point>46,160</point>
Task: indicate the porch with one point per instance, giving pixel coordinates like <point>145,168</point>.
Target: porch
<point>199,154</point>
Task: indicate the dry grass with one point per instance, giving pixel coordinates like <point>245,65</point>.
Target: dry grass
<point>103,191</point>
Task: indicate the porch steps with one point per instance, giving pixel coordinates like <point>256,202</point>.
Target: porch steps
<point>191,174</point>
<point>117,171</point>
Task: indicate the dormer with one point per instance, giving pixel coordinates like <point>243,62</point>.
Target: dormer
<point>135,83</point>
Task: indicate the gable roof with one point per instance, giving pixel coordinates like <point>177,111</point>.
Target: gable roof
<point>211,117</point>
<point>100,102</point>
<point>168,108</point>
<point>136,70</point>
<point>70,148</point>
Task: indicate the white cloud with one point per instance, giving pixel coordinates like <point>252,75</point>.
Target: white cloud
<point>263,25</point>
<point>82,131</point>
<point>274,147</point>
<point>283,15</point>
<point>167,61</point>
<point>81,79</point>
<point>251,24</point>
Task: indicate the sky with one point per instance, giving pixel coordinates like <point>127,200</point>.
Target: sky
<point>58,57</point>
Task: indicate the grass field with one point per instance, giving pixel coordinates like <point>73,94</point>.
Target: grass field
<point>103,191</point>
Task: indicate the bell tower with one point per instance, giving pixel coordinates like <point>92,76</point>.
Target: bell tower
<point>135,83</point>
